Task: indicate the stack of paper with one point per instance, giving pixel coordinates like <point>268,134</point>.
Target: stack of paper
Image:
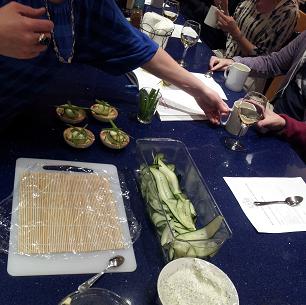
<point>177,105</point>
<point>273,218</point>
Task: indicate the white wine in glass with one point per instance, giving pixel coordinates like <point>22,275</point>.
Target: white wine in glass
<point>250,111</point>
<point>189,37</point>
<point>171,9</point>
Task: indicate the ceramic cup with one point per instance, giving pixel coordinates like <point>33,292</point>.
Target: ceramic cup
<point>211,17</point>
<point>235,76</point>
<point>232,124</point>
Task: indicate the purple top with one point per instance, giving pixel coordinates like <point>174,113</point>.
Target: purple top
<point>286,61</point>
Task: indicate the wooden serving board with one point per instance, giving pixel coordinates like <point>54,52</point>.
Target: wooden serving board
<point>66,263</point>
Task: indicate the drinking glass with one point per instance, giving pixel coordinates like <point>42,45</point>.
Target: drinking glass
<point>171,9</point>
<point>189,37</point>
<point>149,99</point>
<point>249,113</point>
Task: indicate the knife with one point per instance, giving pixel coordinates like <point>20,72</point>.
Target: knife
<point>68,168</point>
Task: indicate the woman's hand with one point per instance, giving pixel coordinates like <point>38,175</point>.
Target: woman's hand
<point>217,63</point>
<point>227,24</point>
<point>222,5</point>
<point>213,106</point>
<point>20,28</point>
<point>271,122</point>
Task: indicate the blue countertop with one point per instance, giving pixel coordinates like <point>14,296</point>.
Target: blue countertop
<point>267,269</point>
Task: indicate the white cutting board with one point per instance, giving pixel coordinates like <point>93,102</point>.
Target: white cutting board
<point>67,263</point>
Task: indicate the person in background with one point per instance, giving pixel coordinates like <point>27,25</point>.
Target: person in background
<point>78,43</point>
<point>20,30</point>
<point>258,27</point>
<point>286,127</point>
<point>302,5</point>
<point>291,98</point>
<point>197,10</point>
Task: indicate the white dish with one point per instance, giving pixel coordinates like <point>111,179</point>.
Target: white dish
<point>215,288</point>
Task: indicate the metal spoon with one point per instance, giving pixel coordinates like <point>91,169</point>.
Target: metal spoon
<point>209,74</point>
<point>112,263</point>
<point>291,201</point>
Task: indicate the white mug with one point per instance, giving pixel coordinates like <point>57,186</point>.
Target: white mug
<point>236,75</point>
<point>211,17</point>
<point>233,124</point>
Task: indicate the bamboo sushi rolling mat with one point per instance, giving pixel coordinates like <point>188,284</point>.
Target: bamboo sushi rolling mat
<point>65,212</point>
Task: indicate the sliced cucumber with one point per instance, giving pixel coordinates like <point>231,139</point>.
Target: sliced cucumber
<point>205,233</point>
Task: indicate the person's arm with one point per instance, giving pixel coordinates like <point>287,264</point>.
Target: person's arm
<point>271,122</point>
<point>229,25</point>
<point>164,67</point>
<point>20,28</point>
<point>288,128</point>
<point>217,63</point>
<point>279,27</point>
<point>295,133</point>
<point>271,65</point>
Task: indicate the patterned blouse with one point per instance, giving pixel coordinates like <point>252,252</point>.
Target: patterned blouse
<point>267,32</point>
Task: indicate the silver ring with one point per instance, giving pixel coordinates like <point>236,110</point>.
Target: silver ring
<point>43,39</point>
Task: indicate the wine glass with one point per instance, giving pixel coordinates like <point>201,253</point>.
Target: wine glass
<point>250,111</point>
<point>189,37</point>
<point>171,9</point>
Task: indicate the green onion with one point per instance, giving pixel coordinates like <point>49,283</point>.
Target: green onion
<point>147,104</point>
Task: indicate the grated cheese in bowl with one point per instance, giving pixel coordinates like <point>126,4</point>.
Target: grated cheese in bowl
<point>193,281</point>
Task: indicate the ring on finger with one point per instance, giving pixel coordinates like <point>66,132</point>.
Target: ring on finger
<point>43,39</point>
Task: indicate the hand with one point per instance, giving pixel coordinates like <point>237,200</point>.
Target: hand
<point>227,24</point>
<point>222,5</point>
<point>163,66</point>
<point>217,63</point>
<point>213,106</point>
<point>271,122</point>
<point>20,28</point>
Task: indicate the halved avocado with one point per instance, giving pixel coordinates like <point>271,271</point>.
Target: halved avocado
<point>85,139</point>
<point>111,115</point>
<point>109,139</point>
<point>63,114</point>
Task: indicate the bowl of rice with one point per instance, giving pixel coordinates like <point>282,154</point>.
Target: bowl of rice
<point>187,280</point>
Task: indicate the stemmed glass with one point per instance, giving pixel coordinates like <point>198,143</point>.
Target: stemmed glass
<point>250,111</point>
<point>171,9</point>
<point>189,37</point>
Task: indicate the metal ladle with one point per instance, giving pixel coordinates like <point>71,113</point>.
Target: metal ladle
<point>291,201</point>
<point>112,263</point>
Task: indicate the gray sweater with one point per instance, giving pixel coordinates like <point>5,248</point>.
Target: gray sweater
<point>286,61</point>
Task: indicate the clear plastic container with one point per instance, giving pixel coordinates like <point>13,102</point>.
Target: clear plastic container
<point>93,296</point>
<point>193,186</point>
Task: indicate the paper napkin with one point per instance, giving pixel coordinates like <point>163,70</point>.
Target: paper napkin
<point>273,218</point>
